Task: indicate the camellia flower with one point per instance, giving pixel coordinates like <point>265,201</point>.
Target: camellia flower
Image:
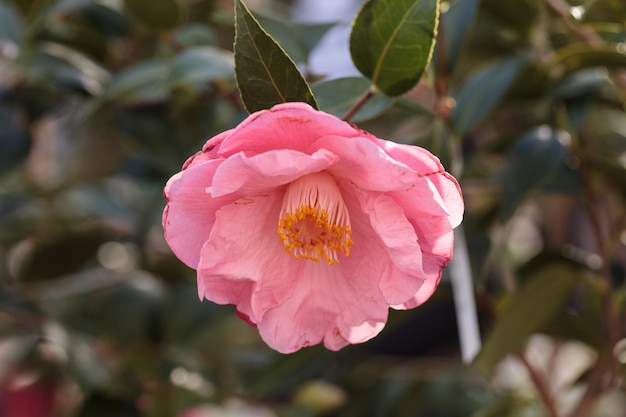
<point>311,227</point>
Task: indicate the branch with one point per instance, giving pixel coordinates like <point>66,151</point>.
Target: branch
<point>360,102</point>
<point>542,386</point>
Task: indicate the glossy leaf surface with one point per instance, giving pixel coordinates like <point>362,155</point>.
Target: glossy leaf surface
<point>265,74</point>
<point>392,42</point>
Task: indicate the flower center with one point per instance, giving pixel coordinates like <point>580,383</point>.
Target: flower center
<point>314,221</point>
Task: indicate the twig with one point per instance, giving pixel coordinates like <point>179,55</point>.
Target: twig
<point>586,34</point>
<point>542,386</point>
<point>360,102</point>
<point>590,396</point>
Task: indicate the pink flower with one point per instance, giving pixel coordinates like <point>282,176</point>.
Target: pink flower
<point>311,227</point>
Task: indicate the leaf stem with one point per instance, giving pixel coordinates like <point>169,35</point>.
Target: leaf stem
<point>541,384</point>
<point>561,9</point>
<point>359,103</point>
<point>605,373</point>
<point>585,33</point>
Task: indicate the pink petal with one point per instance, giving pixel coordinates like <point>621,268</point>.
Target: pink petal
<point>428,165</point>
<point>380,227</point>
<point>294,302</point>
<point>323,307</point>
<point>285,126</point>
<point>437,241</point>
<point>190,211</point>
<point>243,249</point>
<point>369,167</point>
<point>422,295</point>
<point>247,175</point>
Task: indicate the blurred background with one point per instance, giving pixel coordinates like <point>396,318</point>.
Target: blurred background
<point>101,101</point>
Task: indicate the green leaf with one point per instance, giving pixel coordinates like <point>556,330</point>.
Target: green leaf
<point>15,141</point>
<point>610,32</point>
<point>438,142</point>
<point>284,34</point>
<point>535,158</point>
<point>10,23</point>
<point>392,42</point>
<point>162,14</point>
<point>574,57</point>
<point>581,322</point>
<point>337,96</point>
<point>456,23</point>
<point>265,74</point>
<point>200,65</point>
<point>195,34</point>
<point>138,84</point>
<point>540,300</point>
<point>482,91</point>
<point>580,84</point>
<point>312,33</point>
<point>298,40</point>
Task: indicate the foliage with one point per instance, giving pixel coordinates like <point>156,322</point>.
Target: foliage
<point>100,102</point>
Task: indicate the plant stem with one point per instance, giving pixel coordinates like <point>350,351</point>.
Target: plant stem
<point>542,386</point>
<point>584,33</point>
<point>360,102</point>
<point>561,9</point>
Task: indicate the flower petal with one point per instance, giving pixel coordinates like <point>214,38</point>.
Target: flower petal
<point>428,165</point>
<point>285,126</point>
<point>244,248</point>
<point>323,307</point>
<point>294,302</point>
<point>253,174</point>
<point>379,219</point>
<point>368,166</point>
<point>422,295</point>
<point>190,211</point>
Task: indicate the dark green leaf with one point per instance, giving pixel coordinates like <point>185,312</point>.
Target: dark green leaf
<point>165,137</point>
<point>285,35</point>
<point>15,140</point>
<point>392,42</point>
<point>608,149</point>
<point>82,38</point>
<point>298,40</point>
<point>311,34</point>
<point>60,67</point>
<point>611,32</point>
<point>195,34</point>
<point>140,83</point>
<point>581,83</point>
<point>580,322</point>
<point>539,301</point>
<point>456,23</point>
<point>10,23</point>
<point>106,20</point>
<point>200,65</point>
<point>574,57</point>
<point>483,90</point>
<point>438,142</point>
<point>60,255</point>
<point>65,6</point>
<point>162,14</point>
<point>535,158</point>
<point>605,11</point>
<point>337,96</point>
<point>265,74</point>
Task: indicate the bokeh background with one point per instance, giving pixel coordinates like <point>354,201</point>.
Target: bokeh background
<point>101,101</point>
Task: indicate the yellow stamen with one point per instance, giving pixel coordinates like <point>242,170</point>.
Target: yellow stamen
<point>314,221</point>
